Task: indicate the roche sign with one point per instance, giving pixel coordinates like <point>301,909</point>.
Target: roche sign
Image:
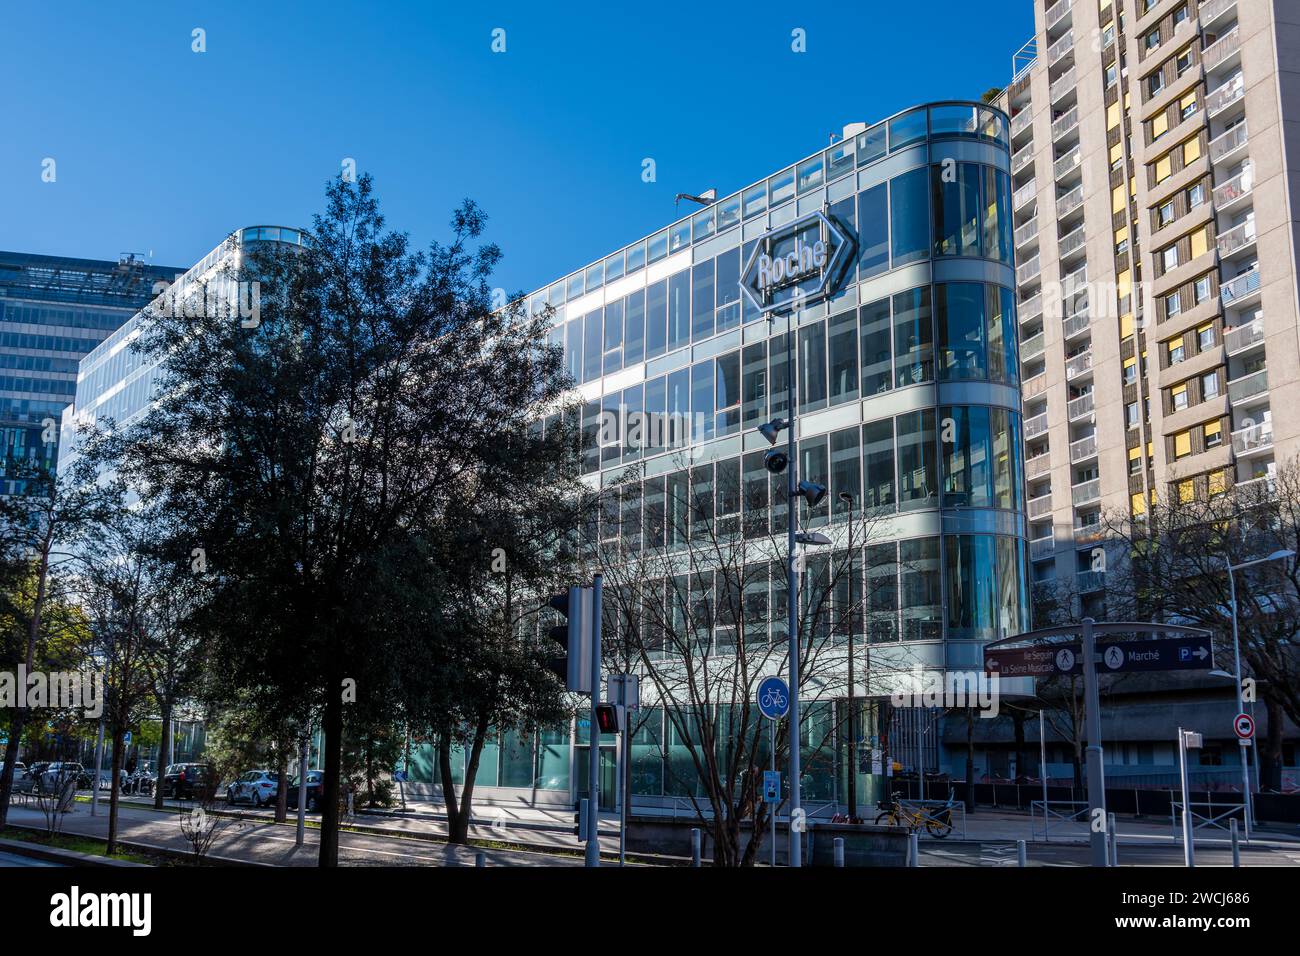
<point>802,259</point>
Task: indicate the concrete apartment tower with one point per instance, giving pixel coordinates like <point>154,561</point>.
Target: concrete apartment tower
<point>1153,146</point>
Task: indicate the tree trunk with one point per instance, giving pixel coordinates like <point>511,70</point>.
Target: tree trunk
<point>333,742</point>
<point>19,722</point>
<point>1270,754</point>
<point>113,790</point>
<point>370,771</point>
<point>282,781</point>
<point>970,760</point>
<point>164,747</point>
<point>458,823</point>
<point>1022,754</point>
<point>448,784</point>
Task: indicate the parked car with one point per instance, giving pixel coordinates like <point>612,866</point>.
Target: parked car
<point>106,774</point>
<point>257,787</point>
<point>315,788</point>
<point>185,781</point>
<point>24,782</point>
<point>60,771</point>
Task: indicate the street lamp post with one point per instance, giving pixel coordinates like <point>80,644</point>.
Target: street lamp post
<point>847,498</point>
<point>1247,799</point>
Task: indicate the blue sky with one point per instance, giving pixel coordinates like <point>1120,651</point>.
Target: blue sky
<point>162,150</point>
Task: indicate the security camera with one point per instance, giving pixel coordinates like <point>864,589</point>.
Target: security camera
<point>775,461</point>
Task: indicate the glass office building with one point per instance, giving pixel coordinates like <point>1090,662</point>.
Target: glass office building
<point>908,400</point>
<point>53,311</point>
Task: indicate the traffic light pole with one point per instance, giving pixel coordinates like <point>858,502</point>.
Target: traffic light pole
<point>1093,753</point>
<point>792,596</point>
<point>593,768</point>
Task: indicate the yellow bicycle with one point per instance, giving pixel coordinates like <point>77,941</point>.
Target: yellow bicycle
<point>937,823</point>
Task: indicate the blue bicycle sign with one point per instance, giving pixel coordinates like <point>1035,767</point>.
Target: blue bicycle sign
<point>773,698</point>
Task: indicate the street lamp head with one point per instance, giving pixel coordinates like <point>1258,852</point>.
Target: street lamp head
<point>775,460</point>
<point>1281,555</point>
<point>772,430</point>
<point>845,497</point>
<point>812,493</point>
<point>812,537</point>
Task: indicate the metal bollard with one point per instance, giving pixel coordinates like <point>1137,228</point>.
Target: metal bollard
<point>914,849</point>
<point>839,851</point>
<point>695,846</point>
<point>1236,846</point>
<point>1022,857</point>
<point>1114,839</point>
<point>480,858</point>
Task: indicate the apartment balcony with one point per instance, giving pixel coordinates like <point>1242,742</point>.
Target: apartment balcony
<point>1236,188</point>
<point>1090,581</point>
<point>1038,465</point>
<point>1041,548</point>
<point>1026,232</point>
<point>1071,243</point>
<point>1264,484</point>
<point>1086,534</point>
<point>1080,407</point>
<point>1237,239</point>
<point>1086,493</point>
<point>1083,449</point>
<point>1220,53</point>
<point>1056,13</point>
<point>1225,145</point>
<point>1236,291</point>
<point>1031,347</point>
<point>1024,195</point>
<point>1060,48</point>
<point>1225,96</point>
<point>1252,439</point>
<point>1023,159</point>
<point>1035,426</point>
<point>1033,386</point>
<point>1031,308</point>
<point>1021,121</point>
<point>1063,124</point>
<point>1243,338</point>
<point>1028,270</point>
<point>1248,388</point>
<point>1063,85</point>
<point>1039,507</point>
<point>1076,325</point>
<point>1074,283</point>
<point>1069,202</point>
<point>1212,11</point>
<point>1066,165</point>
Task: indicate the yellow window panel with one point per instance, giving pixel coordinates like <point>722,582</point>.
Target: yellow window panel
<point>1176,392</point>
<point>1112,115</point>
<point>1213,428</point>
<point>1182,444</point>
<point>1138,504</point>
<point>1123,284</point>
<point>1186,491</point>
<point>1121,235</point>
<point>1135,453</point>
<point>1116,153</point>
<point>1200,242</point>
<point>1187,102</point>
<point>1126,325</point>
<point>1218,482</point>
<point>1164,168</point>
<point>1160,126</point>
<point>1191,150</point>
<point>1117,201</point>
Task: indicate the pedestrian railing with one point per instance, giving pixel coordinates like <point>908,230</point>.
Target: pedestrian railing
<point>1071,811</point>
<point>1216,815</point>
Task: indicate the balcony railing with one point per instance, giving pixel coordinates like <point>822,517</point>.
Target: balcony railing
<point>1225,96</point>
<point>1240,287</point>
<point>1243,337</point>
<point>1035,426</point>
<point>1252,438</point>
<point>1235,188</point>
<point>1063,84</point>
<point>1063,124</point>
<point>1211,10</point>
<point>1091,580</point>
<point>1228,143</point>
<point>1027,270</point>
<point>1021,121</point>
<point>1083,449</point>
<point>1086,493</point>
<point>1088,533</point>
<point>1263,484</point>
<point>1248,386</point>
<point>1032,347</point>
<point>1237,238</point>
<point>1069,202</point>
<point>1038,465</point>
<point>1026,232</point>
<point>1060,48</point>
<point>1031,308</point>
<point>1066,164</point>
<point>1076,324</point>
<point>1056,13</point>
<point>1221,49</point>
<point>1079,407</point>
<point>1024,157</point>
<point>1074,283</point>
<point>1071,243</point>
<point>1024,194</point>
<point>1033,386</point>
<point>1041,548</point>
<point>1040,506</point>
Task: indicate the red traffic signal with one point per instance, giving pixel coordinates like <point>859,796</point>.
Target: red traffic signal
<point>607,718</point>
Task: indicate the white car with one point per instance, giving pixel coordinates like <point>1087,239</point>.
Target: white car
<point>257,787</point>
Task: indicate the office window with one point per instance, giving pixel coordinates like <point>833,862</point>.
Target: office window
<point>679,236</point>
<point>878,465</point>
<point>966,450</point>
<point>634,328</point>
<point>703,224</point>
<point>679,309</point>
<point>1178,397</point>
<point>656,319</point>
<point>754,200</point>
<point>727,380</point>
<point>1173,304</point>
<point>1165,213</point>
<point>1209,386</point>
<point>877,366</point>
<point>573,348</point>
<point>913,337</point>
<point>780,187</point>
<point>635,258</point>
<point>842,347</point>
<point>882,592</point>
<point>658,246</point>
<point>1202,288</point>
<point>909,214</point>
<point>907,129</point>
<point>811,174</point>
<point>1213,434</point>
<point>702,300</point>
<point>592,338</point>
<point>702,399</point>
<point>753,384</point>
<point>955,201</point>
<point>971,573</point>
<point>873,231</point>
<point>1205,337</point>
<point>1131,415</point>
<point>959,311</point>
<point>846,467</point>
<point>872,144</point>
<point>727,278</point>
<point>921,598</point>
<point>728,212</point>
<point>613,337</point>
<point>812,367</point>
<point>1195,195</point>
<point>917,478</point>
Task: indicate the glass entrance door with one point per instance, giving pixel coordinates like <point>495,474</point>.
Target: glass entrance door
<point>608,775</point>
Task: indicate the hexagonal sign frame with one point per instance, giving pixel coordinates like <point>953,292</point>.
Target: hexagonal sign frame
<point>791,272</point>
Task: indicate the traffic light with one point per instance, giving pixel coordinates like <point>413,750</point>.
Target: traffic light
<point>607,718</point>
<point>574,665</point>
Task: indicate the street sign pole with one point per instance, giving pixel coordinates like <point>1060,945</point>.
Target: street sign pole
<point>1093,754</point>
<point>792,596</point>
<point>771,816</point>
<point>593,770</point>
<point>1189,848</point>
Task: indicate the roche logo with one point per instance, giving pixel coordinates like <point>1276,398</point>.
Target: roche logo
<point>802,259</point>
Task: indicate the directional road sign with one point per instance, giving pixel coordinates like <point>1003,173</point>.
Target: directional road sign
<point>1164,654</point>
